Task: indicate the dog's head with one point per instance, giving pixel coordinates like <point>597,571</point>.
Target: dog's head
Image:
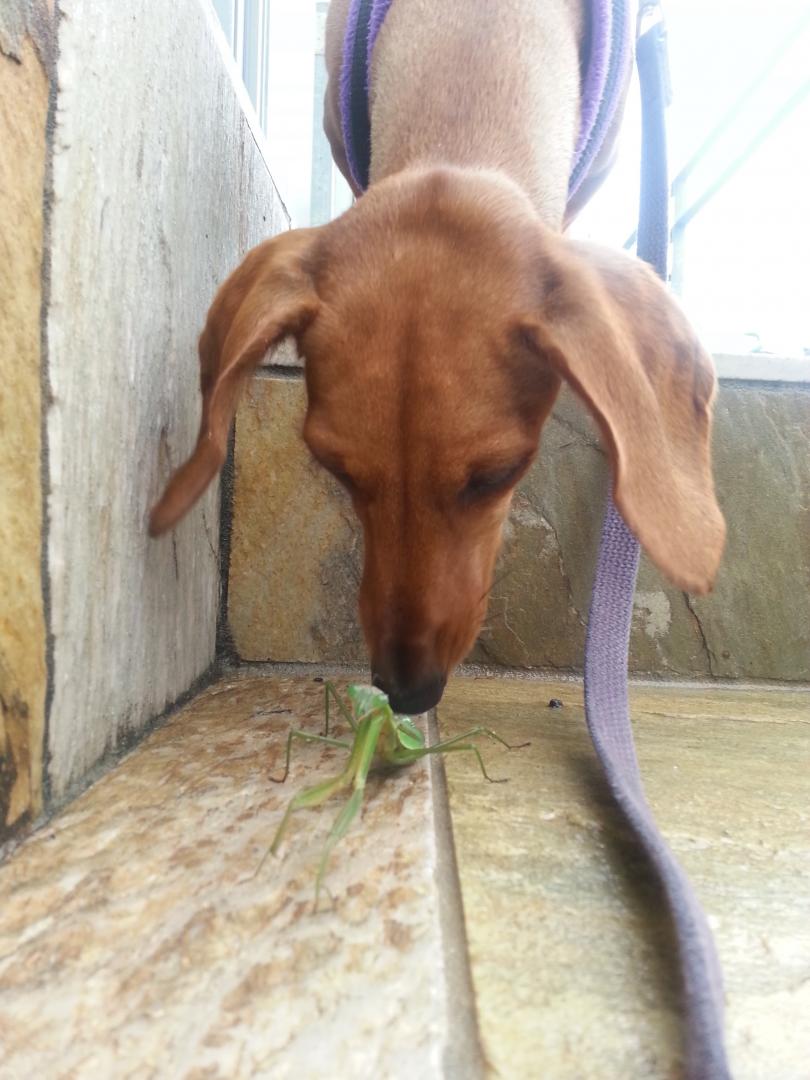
<point>438,318</point>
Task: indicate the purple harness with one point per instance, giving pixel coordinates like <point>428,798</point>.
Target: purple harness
<point>609,52</point>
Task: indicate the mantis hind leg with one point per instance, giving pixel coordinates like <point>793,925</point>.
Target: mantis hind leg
<point>304,736</point>
<point>452,746</point>
<point>490,734</point>
<point>362,756</point>
<point>355,773</point>
<point>311,796</point>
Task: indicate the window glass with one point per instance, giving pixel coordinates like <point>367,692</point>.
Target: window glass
<point>741,268</point>
<point>278,47</point>
<point>743,275</point>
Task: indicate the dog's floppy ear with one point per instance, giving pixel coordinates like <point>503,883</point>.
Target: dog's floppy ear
<point>607,325</point>
<point>267,297</point>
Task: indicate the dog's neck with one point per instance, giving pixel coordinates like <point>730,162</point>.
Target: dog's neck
<point>442,94</point>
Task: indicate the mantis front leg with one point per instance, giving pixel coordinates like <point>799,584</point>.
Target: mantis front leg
<point>344,711</point>
<point>304,736</point>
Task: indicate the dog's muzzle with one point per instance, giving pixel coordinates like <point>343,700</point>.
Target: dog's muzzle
<point>414,698</point>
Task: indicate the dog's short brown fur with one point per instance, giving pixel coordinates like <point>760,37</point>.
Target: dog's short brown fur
<point>438,317</point>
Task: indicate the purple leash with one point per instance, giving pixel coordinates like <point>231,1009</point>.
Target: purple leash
<point>608,639</point>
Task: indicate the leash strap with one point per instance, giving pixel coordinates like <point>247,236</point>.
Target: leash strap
<point>608,639</point>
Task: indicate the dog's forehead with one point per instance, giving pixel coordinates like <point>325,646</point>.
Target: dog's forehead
<point>410,392</point>
<point>425,346</point>
<point>420,294</point>
<point>436,233</point>
<point>419,300</point>
<point>404,365</point>
<point>432,309</point>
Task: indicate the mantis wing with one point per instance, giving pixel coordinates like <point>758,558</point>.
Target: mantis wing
<point>409,735</point>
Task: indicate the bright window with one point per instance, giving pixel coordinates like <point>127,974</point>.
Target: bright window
<point>743,272</point>
<point>745,282</point>
<point>278,46</point>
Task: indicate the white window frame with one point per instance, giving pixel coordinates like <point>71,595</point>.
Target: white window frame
<point>245,24</point>
<point>762,367</point>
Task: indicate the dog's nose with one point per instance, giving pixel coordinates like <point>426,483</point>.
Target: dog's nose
<point>414,698</point>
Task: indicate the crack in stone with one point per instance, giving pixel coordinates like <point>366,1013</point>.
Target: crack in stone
<point>710,657</point>
<point>211,545</point>
<point>484,647</point>
<point>174,556</point>
<point>510,628</point>
<point>582,437</point>
<point>563,573</point>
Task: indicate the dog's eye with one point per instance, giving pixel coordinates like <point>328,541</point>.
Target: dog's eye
<point>483,484</point>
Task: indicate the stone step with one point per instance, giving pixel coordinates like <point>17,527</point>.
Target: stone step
<point>141,935</point>
<point>138,936</point>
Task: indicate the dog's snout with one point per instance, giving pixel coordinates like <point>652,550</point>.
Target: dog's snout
<point>414,697</point>
<point>408,670</point>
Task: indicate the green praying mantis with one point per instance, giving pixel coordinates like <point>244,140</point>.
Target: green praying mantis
<point>379,735</point>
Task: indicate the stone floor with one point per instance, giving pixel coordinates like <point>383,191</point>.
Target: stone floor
<point>569,944</point>
<point>139,938</point>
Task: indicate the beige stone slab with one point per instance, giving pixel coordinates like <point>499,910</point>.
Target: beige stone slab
<point>135,940</point>
<point>572,959</point>
<point>24,89</point>
<point>285,355</point>
<point>754,626</point>
<point>295,544</point>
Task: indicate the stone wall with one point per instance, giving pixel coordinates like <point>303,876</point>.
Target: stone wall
<point>159,187</point>
<point>755,624</point>
<point>296,552</point>
<point>154,183</point>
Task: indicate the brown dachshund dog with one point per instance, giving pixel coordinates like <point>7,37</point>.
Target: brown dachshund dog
<point>438,317</point>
